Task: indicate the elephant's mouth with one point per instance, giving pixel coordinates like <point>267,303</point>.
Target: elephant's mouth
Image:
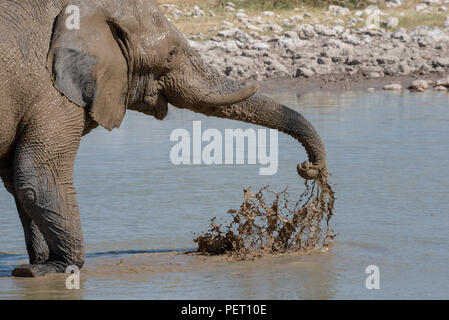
<point>153,104</point>
<point>157,105</point>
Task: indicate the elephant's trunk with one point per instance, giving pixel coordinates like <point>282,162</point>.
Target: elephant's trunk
<point>197,82</point>
<point>263,111</point>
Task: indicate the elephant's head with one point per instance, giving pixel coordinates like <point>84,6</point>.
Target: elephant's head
<point>127,55</point>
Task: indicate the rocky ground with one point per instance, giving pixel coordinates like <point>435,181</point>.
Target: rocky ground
<point>265,46</point>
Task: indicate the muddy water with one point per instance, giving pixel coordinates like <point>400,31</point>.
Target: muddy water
<point>389,156</point>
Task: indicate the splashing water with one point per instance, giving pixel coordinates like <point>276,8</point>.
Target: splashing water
<point>279,226</point>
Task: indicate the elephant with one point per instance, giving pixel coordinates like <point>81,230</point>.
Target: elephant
<point>60,81</point>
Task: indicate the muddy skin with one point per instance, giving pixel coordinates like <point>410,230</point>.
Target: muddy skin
<point>60,84</point>
<point>284,225</point>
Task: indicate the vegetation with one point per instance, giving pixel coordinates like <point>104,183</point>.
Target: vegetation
<point>269,4</point>
<point>290,4</point>
<point>316,9</point>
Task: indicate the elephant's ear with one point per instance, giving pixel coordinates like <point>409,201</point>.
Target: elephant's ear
<point>89,68</point>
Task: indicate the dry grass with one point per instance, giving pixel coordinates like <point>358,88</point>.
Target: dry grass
<point>269,4</point>
<point>408,17</point>
<point>415,19</point>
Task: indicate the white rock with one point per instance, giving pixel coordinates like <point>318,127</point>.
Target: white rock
<point>230,4</point>
<point>419,85</point>
<point>286,23</point>
<point>241,16</point>
<point>440,88</point>
<point>339,29</point>
<point>293,45</point>
<point>257,19</point>
<point>305,31</point>
<point>324,30</point>
<point>355,20</point>
<point>374,75</point>
<point>227,24</point>
<point>243,37</point>
<point>254,34</point>
<point>339,11</point>
<point>229,9</point>
<point>253,28</point>
<point>275,28</point>
<point>393,3</point>
<point>291,34</point>
<point>305,72</point>
<point>277,66</point>
<point>401,35</point>
<point>392,22</point>
<point>404,68</point>
<point>267,13</point>
<point>297,18</point>
<point>198,36</point>
<point>352,39</point>
<point>371,10</point>
<point>393,86</point>
<point>197,12</point>
<point>443,82</point>
<point>260,45</point>
<point>194,43</point>
<point>176,13</point>
<point>436,34</point>
<point>227,33</point>
<point>332,42</point>
<point>421,7</point>
<point>229,44</point>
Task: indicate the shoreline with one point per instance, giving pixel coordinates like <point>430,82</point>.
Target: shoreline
<point>337,84</point>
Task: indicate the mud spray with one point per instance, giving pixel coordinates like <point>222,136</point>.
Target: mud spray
<point>282,224</point>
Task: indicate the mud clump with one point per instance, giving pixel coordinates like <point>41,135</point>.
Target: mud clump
<point>279,225</point>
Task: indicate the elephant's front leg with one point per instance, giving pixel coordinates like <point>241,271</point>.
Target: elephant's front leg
<point>43,182</point>
<point>51,205</point>
<point>35,243</point>
<point>34,240</point>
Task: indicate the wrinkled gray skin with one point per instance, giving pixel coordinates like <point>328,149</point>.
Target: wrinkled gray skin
<point>59,84</point>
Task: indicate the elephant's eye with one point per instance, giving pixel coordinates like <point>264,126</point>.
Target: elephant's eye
<point>171,56</point>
